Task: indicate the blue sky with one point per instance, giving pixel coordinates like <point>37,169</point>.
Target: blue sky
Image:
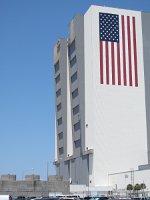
<point>29,30</point>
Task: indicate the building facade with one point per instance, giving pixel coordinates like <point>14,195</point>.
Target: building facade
<point>102,101</point>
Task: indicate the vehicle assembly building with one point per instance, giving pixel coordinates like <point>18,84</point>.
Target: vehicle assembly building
<point>102,98</point>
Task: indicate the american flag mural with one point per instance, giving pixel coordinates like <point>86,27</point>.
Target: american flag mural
<point>118,50</point>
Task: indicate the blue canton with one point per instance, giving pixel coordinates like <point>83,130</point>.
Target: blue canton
<point>109,27</point>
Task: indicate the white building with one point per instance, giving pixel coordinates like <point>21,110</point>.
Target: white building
<point>102,96</point>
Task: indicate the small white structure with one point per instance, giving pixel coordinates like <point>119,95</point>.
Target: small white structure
<point>5,197</point>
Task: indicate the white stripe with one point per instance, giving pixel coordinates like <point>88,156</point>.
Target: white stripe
<point>104,62</point>
<point>132,53</point>
<point>121,51</point>
<point>126,50</point>
<point>115,63</point>
<point>110,63</point>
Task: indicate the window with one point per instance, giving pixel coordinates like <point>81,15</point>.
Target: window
<point>61,151</point>
<point>77,143</point>
<point>77,126</point>
<point>60,135</point>
<point>58,107</point>
<point>56,67</point>
<point>59,121</point>
<point>75,110</point>
<point>75,93</point>
<point>73,77</point>
<point>57,79</point>
<point>58,92</point>
<point>71,48</point>
<point>73,61</point>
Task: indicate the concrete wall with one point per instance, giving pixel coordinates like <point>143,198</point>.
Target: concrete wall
<point>34,187</point>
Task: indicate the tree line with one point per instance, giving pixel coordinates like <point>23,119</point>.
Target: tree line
<point>136,188</point>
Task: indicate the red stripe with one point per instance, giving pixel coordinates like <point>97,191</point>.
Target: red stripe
<point>135,52</point>
<point>123,49</point>
<point>107,63</point>
<point>113,63</point>
<point>101,62</point>
<point>118,64</point>
<point>129,50</point>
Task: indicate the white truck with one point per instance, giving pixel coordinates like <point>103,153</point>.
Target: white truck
<point>5,197</point>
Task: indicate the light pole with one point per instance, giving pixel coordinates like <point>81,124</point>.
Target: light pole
<point>33,172</point>
<point>126,176</point>
<point>25,171</point>
<point>47,169</point>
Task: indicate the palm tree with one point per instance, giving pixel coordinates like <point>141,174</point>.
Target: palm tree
<point>143,186</point>
<point>137,187</point>
<point>130,188</point>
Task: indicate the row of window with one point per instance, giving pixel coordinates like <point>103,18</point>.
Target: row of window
<point>75,109</point>
<point>76,125</point>
<point>73,78</point>
<point>77,144</point>
<point>72,63</point>
<point>57,79</point>
<point>74,93</point>
<point>71,49</point>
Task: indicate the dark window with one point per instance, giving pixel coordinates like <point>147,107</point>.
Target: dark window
<point>77,144</point>
<point>60,135</point>
<point>58,107</point>
<point>75,93</point>
<point>56,67</point>
<point>61,151</point>
<point>73,61</point>
<point>73,77</point>
<point>57,79</point>
<point>72,47</point>
<point>77,126</point>
<point>59,121</point>
<point>58,92</point>
<point>75,110</point>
